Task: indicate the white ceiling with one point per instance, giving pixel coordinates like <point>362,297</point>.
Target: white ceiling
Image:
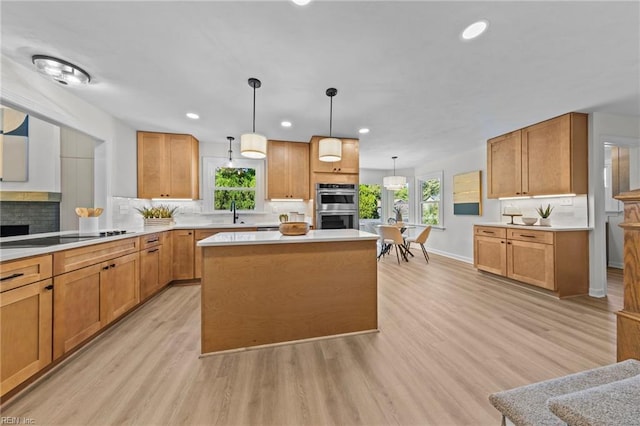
<point>399,67</point>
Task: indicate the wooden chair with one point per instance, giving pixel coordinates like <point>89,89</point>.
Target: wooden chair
<point>421,239</point>
<point>391,235</point>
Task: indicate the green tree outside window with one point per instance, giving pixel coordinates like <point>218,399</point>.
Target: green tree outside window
<point>369,201</point>
<point>235,184</point>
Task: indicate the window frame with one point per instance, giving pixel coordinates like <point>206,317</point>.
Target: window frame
<point>419,202</point>
<point>209,166</point>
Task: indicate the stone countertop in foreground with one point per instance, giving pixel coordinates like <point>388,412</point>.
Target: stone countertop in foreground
<point>275,237</point>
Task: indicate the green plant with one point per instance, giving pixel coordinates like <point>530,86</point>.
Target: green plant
<point>155,212</point>
<point>544,212</point>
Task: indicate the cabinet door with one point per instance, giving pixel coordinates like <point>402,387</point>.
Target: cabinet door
<point>350,162</point>
<point>183,254</point>
<point>546,157</point>
<point>16,273</point>
<point>76,308</point>
<point>490,254</point>
<point>531,263</point>
<point>149,271</point>
<point>153,165</point>
<point>277,170</point>
<point>25,326</point>
<point>504,166</point>
<point>183,166</point>
<point>166,274</point>
<point>201,234</point>
<point>298,170</point>
<point>120,286</point>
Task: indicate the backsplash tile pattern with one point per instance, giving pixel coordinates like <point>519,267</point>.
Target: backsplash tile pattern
<point>41,216</point>
<point>125,215</point>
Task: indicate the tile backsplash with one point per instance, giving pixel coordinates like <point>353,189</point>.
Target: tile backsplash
<point>567,211</point>
<point>125,216</point>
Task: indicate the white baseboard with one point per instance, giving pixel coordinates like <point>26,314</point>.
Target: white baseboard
<point>451,255</point>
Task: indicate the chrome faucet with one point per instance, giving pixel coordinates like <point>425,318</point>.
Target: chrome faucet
<point>233,210</point>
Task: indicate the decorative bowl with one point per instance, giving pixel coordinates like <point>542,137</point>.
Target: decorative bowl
<point>529,220</point>
<point>294,228</point>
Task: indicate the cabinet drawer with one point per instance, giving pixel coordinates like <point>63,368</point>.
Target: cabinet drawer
<point>150,240</point>
<point>490,231</point>
<point>70,260</point>
<point>17,273</point>
<point>545,237</point>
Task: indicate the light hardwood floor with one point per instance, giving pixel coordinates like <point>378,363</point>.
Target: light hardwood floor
<point>449,336</point>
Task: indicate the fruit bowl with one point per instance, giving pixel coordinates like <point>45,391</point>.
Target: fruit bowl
<point>529,220</point>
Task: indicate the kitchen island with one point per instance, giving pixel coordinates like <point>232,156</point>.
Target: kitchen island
<point>261,288</point>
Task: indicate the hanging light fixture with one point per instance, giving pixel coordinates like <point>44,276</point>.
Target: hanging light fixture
<point>61,71</point>
<point>253,145</point>
<point>231,139</point>
<point>330,149</point>
<point>394,182</point>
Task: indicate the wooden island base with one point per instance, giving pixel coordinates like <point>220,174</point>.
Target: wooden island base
<point>262,294</point>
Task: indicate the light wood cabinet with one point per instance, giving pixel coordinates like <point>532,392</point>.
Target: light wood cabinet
<point>25,327</point>
<point>183,254</point>
<point>16,273</point>
<point>287,170</point>
<point>155,263</point>
<point>554,260</point>
<point>120,285</point>
<point>168,166</point>
<point>166,255</point>
<point>76,306</point>
<point>349,163</point>
<point>70,260</point>
<point>543,159</point>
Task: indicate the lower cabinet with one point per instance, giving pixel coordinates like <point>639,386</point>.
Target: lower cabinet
<point>166,256</point>
<point>25,326</point>
<point>182,241</point>
<point>554,260</point>
<point>88,299</point>
<point>149,271</point>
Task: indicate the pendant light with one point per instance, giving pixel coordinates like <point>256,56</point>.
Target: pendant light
<point>394,183</point>
<point>330,149</point>
<point>253,145</point>
<point>231,138</point>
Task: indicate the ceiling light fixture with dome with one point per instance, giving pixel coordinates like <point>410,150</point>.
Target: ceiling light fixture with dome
<point>330,149</point>
<point>61,71</point>
<point>394,183</point>
<point>301,2</point>
<point>253,145</point>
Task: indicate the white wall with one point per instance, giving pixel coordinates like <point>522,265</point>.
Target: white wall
<point>456,239</point>
<point>44,159</point>
<point>30,92</point>
<point>603,128</point>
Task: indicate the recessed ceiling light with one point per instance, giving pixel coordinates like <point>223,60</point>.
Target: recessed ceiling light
<point>363,130</point>
<point>193,115</point>
<point>474,30</point>
<point>301,2</point>
<point>286,124</point>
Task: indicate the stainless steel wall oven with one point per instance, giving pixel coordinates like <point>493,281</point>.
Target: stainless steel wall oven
<point>336,206</point>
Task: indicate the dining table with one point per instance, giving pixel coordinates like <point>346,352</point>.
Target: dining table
<point>385,248</point>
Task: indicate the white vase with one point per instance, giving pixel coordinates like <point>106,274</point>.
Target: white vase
<point>545,221</point>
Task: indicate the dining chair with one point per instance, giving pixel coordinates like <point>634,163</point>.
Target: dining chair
<point>391,236</point>
<point>420,239</point>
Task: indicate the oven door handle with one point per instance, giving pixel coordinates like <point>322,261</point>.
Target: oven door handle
<point>336,212</point>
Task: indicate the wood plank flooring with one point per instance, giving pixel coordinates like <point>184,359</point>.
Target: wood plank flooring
<point>449,336</point>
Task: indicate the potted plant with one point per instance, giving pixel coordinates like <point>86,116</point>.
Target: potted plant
<point>544,213</point>
<point>161,215</point>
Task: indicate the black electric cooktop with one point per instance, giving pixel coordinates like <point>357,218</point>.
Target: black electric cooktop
<point>56,240</point>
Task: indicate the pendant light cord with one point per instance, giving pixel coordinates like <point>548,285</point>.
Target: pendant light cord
<point>330,115</point>
<point>254,108</point>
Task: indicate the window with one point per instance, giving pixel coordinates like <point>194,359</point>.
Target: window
<point>401,204</point>
<point>370,201</point>
<point>430,199</point>
<point>241,183</point>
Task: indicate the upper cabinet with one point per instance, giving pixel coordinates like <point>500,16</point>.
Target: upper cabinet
<point>287,170</point>
<point>350,162</point>
<point>547,158</point>
<point>168,166</point>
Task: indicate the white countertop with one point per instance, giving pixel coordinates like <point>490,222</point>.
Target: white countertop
<point>224,225</point>
<point>537,227</point>
<point>275,237</point>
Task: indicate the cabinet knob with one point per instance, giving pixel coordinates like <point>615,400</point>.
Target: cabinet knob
<point>105,268</point>
<point>509,242</point>
<point>517,193</point>
<point>49,287</point>
<point>501,242</point>
<point>113,265</point>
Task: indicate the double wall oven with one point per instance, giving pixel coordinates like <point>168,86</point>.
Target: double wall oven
<point>336,206</point>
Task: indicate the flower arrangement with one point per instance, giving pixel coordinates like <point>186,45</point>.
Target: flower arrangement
<point>544,212</point>
<point>157,215</point>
